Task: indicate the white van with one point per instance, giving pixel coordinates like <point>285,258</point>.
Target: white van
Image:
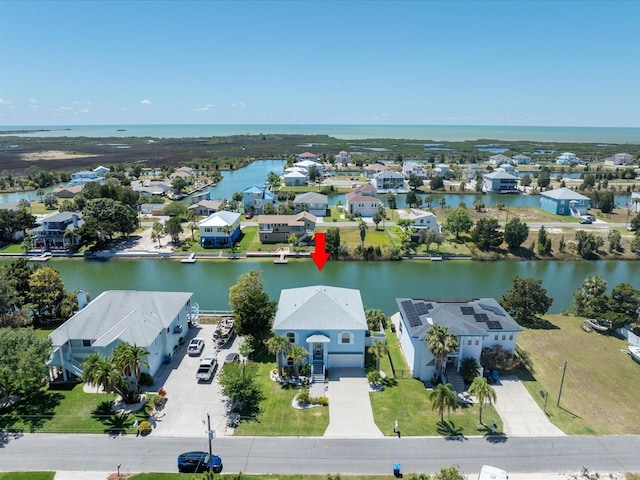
<point>492,473</point>
<point>206,369</point>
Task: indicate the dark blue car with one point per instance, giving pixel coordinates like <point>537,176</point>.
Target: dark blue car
<point>198,462</point>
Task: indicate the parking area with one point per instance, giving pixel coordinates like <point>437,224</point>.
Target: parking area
<point>189,401</point>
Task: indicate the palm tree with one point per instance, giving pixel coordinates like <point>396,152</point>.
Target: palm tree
<point>363,232</point>
<point>484,392</point>
<point>469,369</point>
<point>228,230</point>
<point>298,355</point>
<point>278,345</point>
<point>99,371</point>
<point>157,232</point>
<point>27,243</point>
<point>440,344</point>
<point>443,397</point>
<point>130,358</point>
<point>428,200</point>
<point>378,349</point>
<point>192,218</point>
<point>442,202</point>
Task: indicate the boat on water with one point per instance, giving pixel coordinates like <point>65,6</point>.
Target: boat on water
<point>223,332</point>
<point>597,326</point>
<point>634,352</point>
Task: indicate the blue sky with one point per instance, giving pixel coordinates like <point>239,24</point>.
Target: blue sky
<point>331,62</point>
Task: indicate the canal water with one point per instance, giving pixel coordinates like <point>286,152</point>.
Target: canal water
<point>380,283</point>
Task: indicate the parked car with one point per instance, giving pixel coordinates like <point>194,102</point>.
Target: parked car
<point>586,221</point>
<point>231,357</point>
<point>591,217</point>
<point>196,345</point>
<point>198,462</point>
<point>248,215</point>
<point>206,368</point>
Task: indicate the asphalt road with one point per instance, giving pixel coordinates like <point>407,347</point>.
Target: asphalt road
<point>322,455</point>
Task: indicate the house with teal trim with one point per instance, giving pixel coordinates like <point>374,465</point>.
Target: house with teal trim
<point>564,201</point>
<point>328,322</point>
<point>220,229</point>
<point>255,198</point>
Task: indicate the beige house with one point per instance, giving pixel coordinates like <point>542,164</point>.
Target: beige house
<point>278,228</point>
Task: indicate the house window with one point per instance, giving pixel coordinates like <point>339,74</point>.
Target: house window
<point>292,337</point>
<point>511,336</point>
<point>469,342</point>
<point>86,343</point>
<point>504,336</point>
<point>496,337</point>
<point>346,338</point>
<point>477,341</point>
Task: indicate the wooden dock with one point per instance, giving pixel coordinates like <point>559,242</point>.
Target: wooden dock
<point>282,255</point>
<point>45,257</point>
<point>190,259</point>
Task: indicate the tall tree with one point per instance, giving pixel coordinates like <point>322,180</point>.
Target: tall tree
<point>173,228</point>
<point>443,398</point>
<point>298,356</point>
<point>458,221</point>
<point>253,311</point>
<point>46,292</point>
<point>378,350</point>
<point>440,343</point>
<point>278,345</point>
<point>22,361</point>
<point>486,234</point>
<point>515,233</point>
<point>157,232</point>
<point>483,392</point>
<point>102,372</point>
<point>363,232</point>
<point>130,359</point>
<point>391,200</point>
<point>526,299</point>
<point>333,242</point>
<point>376,319</point>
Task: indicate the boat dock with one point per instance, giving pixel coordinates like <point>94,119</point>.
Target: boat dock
<point>190,259</point>
<point>44,257</point>
<point>282,255</point>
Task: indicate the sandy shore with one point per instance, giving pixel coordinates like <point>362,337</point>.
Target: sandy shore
<point>54,155</point>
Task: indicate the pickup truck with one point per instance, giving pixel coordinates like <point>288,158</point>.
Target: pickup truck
<point>206,369</point>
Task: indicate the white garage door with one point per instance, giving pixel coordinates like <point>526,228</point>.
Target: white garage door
<point>346,360</point>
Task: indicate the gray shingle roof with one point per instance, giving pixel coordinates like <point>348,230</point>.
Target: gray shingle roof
<point>563,194</point>
<point>130,316</point>
<point>320,307</point>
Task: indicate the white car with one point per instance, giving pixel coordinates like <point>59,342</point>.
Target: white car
<point>196,346</point>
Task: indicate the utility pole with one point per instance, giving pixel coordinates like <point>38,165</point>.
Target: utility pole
<point>210,435</point>
<point>564,370</point>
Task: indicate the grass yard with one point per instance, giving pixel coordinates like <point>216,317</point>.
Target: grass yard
<point>601,389</point>
<point>278,417</point>
<point>231,476</point>
<point>27,475</point>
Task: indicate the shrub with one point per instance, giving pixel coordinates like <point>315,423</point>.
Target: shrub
<point>144,428</point>
<point>162,392</point>
<point>497,358</point>
<point>146,380</point>
<point>157,400</point>
<point>303,396</point>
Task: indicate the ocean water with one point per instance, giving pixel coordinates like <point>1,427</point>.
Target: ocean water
<point>435,133</point>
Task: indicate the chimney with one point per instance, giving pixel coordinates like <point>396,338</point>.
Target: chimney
<point>82,299</point>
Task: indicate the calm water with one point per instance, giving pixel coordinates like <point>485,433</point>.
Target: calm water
<point>452,133</point>
<point>379,282</point>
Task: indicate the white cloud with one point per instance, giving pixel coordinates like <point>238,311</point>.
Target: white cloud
<point>203,108</point>
<point>145,102</point>
<point>239,104</point>
<point>33,100</point>
<point>3,102</point>
<point>84,110</point>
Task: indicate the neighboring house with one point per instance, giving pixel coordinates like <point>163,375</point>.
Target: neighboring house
<point>413,168</point>
<point>307,164</point>
<point>154,321</point>
<point>499,182</point>
<point>312,202</point>
<point>521,159</point>
<point>255,198</point>
<point>564,201</point>
<point>278,228</point>
<point>343,158</point>
<point>567,158</point>
<point>499,159</point>
<point>328,322</point>
<point>363,201</point>
<point>619,159</point>
<point>477,323</point>
<point>150,188</point>
<point>204,208</point>
<point>219,229</point>
<point>68,192</point>
<point>101,171</point>
<point>14,207</point>
<point>442,170</point>
<point>50,234</point>
<point>85,176</point>
<point>473,171</point>
<point>307,156</point>
<point>156,209</point>
<point>295,178</point>
<point>635,205</point>
<point>186,170</point>
<point>388,180</point>
<point>421,220</point>
<point>373,169</point>
<point>508,168</point>
<point>198,197</point>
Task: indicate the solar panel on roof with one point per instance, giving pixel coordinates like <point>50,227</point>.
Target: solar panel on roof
<point>494,325</point>
<point>481,317</point>
<point>492,308</point>
<point>421,308</point>
<point>467,310</point>
<point>412,315</point>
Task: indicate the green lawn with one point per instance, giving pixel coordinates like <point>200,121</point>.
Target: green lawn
<point>601,389</point>
<point>278,417</point>
<point>15,248</point>
<point>232,476</point>
<point>27,475</point>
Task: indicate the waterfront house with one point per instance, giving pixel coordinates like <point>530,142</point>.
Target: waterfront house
<point>307,164</point>
<point>150,188</point>
<point>499,182</point>
<point>388,180</point>
<point>363,201</point>
<point>634,202</point>
<point>50,234</point>
<point>619,159</point>
<point>295,178</point>
<point>477,323</point>
<point>156,209</point>
<point>421,219</point>
<point>343,159</point>
<point>278,228</point>
<point>204,208</point>
<point>442,170</point>
<point>255,198</point>
<point>220,229</point>
<point>373,169</point>
<point>312,202</point>
<point>567,158</point>
<point>68,192</point>
<point>508,168</point>
<point>499,159</point>
<point>413,168</point>
<point>521,159</point>
<point>564,201</point>
<point>473,171</point>
<point>328,322</point>
<point>154,321</point>
<point>101,171</point>
<point>85,176</point>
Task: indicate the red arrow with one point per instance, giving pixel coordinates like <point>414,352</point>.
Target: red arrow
<point>320,256</point>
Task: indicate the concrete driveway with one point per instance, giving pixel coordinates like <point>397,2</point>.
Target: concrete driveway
<point>189,401</point>
<point>521,415</point>
<point>350,413</point>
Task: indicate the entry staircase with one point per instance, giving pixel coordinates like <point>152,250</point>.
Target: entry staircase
<point>317,371</point>
<point>455,379</point>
